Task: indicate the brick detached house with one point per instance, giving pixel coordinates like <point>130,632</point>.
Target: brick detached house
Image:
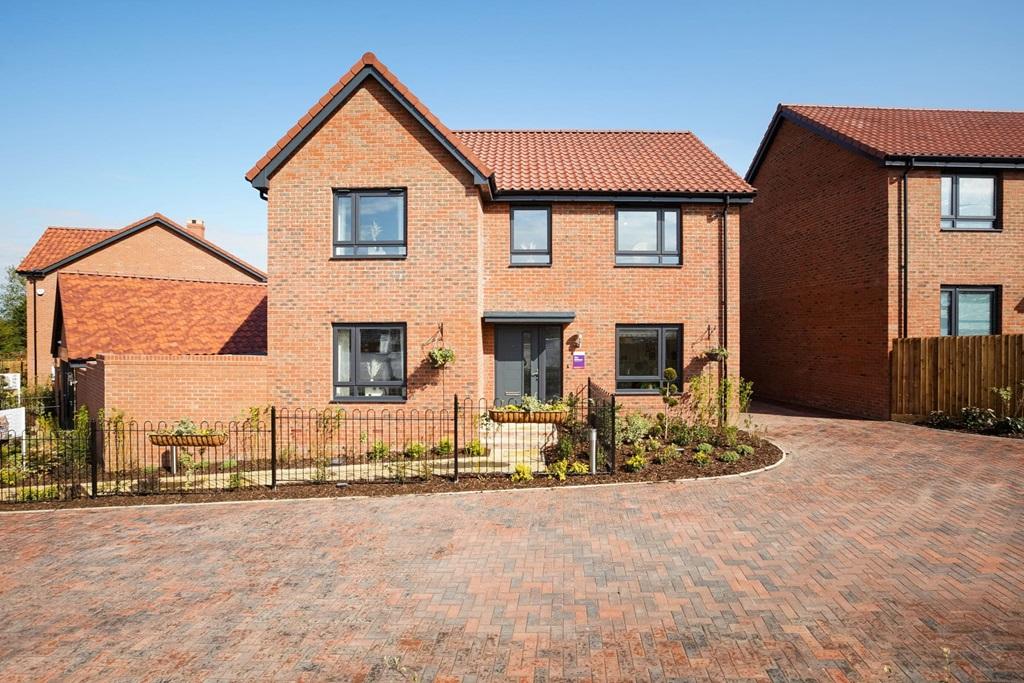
<point>153,246</point>
<point>539,257</point>
<point>872,224</point>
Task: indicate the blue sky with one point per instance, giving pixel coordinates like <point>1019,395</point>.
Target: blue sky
<point>112,111</point>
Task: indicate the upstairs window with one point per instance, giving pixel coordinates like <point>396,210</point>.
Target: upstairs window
<point>369,224</point>
<point>966,311</point>
<point>647,237</point>
<point>531,236</point>
<point>968,202</point>
<point>369,362</point>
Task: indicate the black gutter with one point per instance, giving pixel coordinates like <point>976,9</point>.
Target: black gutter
<point>724,304</point>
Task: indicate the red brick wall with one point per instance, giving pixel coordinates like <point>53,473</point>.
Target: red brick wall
<point>814,292</point>
<point>372,142</point>
<point>457,265</point>
<point>168,388</point>
<point>154,251</point>
<point>957,258</point>
<point>583,278</point>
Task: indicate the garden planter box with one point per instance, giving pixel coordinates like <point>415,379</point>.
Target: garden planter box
<point>193,440</point>
<point>536,417</point>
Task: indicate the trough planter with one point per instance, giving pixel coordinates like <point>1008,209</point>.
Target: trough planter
<point>188,440</point>
<point>533,417</point>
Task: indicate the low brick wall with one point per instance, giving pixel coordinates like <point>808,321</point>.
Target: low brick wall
<point>168,388</point>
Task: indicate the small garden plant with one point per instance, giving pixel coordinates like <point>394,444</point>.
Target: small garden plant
<point>558,470</point>
<point>441,357</point>
<point>522,473</point>
<point>444,447</point>
<point>700,459</point>
<point>415,450</point>
<point>635,463</point>
<point>728,456</point>
<point>579,467</point>
<point>378,451</point>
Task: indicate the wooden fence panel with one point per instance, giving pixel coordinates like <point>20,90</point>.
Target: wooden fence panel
<point>951,373</point>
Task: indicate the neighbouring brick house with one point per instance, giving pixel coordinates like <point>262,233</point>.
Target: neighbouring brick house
<point>850,202</point>
<point>161,348</point>
<point>153,246</point>
<point>389,235</point>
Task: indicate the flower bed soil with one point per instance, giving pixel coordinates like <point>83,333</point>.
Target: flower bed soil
<point>765,454</point>
<point>961,430</point>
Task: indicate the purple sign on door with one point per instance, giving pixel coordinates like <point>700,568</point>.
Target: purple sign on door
<point>579,360</point>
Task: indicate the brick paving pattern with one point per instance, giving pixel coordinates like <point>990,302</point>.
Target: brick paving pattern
<point>874,545</point>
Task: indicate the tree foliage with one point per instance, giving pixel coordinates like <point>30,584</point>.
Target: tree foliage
<point>12,313</point>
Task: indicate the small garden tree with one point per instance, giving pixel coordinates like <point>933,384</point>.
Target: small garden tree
<point>669,395</point>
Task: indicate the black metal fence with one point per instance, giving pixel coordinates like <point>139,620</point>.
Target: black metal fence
<point>272,448</point>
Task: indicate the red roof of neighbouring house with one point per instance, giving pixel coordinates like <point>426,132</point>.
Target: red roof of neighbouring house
<point>602,161</point>
<point>887,132</point>
<point>546,161</point>
<point>145,315</point>
<point>60,245</point>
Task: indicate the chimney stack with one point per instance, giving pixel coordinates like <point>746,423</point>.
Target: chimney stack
<point>196,227</point>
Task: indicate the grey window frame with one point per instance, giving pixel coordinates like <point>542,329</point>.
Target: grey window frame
<point>955,204</point>
<point>355,339</point>
<point>660,252</point>
<point>355,242</point>
<point>528,252</point>
<point>954,290</point>
<point>660,379</point>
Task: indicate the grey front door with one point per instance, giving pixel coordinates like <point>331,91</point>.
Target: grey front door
<point>527,362</point>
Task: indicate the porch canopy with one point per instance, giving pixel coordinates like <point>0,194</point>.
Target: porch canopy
<point>530,317</point>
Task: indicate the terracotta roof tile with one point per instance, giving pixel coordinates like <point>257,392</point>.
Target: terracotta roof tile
<point>121,314</point>
<point>58,243</point>
<point>369,59</point>
<point>602,161</point>
<point>920,132</point>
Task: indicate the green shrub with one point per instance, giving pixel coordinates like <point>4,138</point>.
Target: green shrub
<point>1009,425</point>
<point>744,450</point>
<point>229,464</point>
<point>727,436</point>
<point>415,450</point>
<point>565,448</point>
<point>700,458</point>
<point>939,419</point>
<point>728,456</point>
<point>235,481</point>
<point>636,463</point>
<point>34,495</point>
<point>475,449</point>
<point>558,470</point>
<point>705,448</point>
<point>12,474</point>
<point>522,473</point>
<point>444,447</point>
<point>579,467</point>
<point>636,427</point>
<point>664,455</point>
<point>378,451</point>
<point>977,419</point>
<point>149,481</point>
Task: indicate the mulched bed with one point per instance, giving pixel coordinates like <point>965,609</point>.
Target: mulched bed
<point>682,468</point>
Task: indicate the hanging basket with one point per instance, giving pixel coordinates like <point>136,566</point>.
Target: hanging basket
<point>188,440</point>
<point>533,417</point>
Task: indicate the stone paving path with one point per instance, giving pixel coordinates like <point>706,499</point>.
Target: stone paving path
<point>872,548</point>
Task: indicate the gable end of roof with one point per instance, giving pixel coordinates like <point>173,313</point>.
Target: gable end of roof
<point>367,67</point>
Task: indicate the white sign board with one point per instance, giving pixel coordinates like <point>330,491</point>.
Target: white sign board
<point>15,418</point>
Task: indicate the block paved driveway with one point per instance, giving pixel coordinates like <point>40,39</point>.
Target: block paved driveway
<point>874,545</point>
